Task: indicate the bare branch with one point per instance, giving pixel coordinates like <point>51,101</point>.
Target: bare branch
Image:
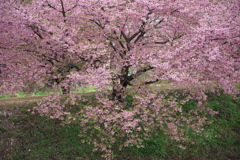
<point>164,42</point>
<point>151,82</point>
<point>112,45</point>
<point>125,37</point>
<point>98,23</point>
<point>139,36</point>
<point>51,6</point>
<point>134,35</point>
<point>63,9</point>
<point>174,38</point>
<point>139,72</point>
<point>74,6</point>
<point>35,29</point>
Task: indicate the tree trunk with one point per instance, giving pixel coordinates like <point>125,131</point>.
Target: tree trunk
<point>65,90</point>
<point>119,88</point>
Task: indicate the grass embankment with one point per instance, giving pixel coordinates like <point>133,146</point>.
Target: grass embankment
<point>27,136</point>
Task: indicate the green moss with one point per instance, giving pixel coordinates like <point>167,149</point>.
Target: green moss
<point>2,128</point>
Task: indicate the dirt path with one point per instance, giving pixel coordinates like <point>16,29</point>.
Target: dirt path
<point>19,101</point>
<point>10,102</point>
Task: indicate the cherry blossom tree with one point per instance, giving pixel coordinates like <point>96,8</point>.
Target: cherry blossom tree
<point>137,44</point>
<point>46,50</point>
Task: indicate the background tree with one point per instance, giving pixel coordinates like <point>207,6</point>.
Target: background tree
<point>45,48</point>
<point>193,45</point>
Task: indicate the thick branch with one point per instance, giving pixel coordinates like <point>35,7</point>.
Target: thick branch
<point>151,82</point>
<point>139,36</point>
<point>134,35</point>
<point>129,39</point>
<point>120,42</point>
<point>139,72</point>
<point>125,37</point>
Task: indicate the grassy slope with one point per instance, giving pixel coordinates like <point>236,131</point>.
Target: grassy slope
<point>27,136</point>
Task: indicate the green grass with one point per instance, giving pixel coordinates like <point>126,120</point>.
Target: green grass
<point>43,138</point>
<point>20,94</point>
<point>86,89</point>
<point>48,140</point>
<point>5,96</point>
<point>40,93</point>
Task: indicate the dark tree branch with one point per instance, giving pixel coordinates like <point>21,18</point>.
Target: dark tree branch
<point>174,38</point>
<point>151,82</point>
<point>139,36</point>
<point>133,36</point>
<point>179,36</point>
<point>139,72</point>
<point>74,6</point>
<point>36,31</point>
<point>51,6</point>
<point>98,23</point>
<point>164,42</point>
<point>156,25</point>
<point>63,9</point>
<point>125,37</point>
<point>120,42</point>
<point>114,48</point>
<point>129,39</point>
